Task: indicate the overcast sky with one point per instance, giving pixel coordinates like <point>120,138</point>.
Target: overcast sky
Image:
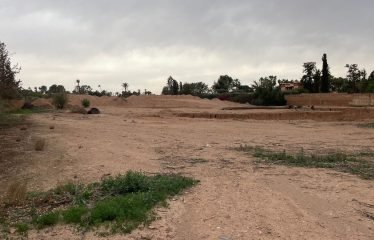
<point>143,42</point>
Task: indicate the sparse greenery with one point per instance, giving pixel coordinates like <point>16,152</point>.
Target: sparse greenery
<point>366,125</point>
<point>354,164</point>
<point>10,120</point>
<point>9,86</point>
<point>22,228</point>
<point>122,202</point>
<point>48,219</point>
<point>86,103</point>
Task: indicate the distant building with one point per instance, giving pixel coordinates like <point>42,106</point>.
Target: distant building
<point>290,85</point>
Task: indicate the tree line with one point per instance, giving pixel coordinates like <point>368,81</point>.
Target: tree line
<point>265,91</point>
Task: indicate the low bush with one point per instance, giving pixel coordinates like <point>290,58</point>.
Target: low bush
<point>59,100</point>
<point>48,219</point>
<point>85,103</point>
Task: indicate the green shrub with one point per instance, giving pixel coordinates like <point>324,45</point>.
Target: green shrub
<point>74,214</point>
<point>48,219</point>
<point>86,103</point>
<point>22,228</point>
<point>59,100</point>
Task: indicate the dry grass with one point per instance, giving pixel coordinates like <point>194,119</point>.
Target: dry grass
<point>39,145</point>
<point>16,193</point>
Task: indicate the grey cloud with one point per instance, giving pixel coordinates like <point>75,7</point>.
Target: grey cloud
<point>143,42</point>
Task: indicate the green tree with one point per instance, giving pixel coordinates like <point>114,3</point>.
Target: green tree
<point>172,87</point>
<point>9,86</point>
<point>339,84</point>
<point>196,89</point>
<point>85,89</point>
<point>309,73</point>
<point>43,89</point>
<point>325,79</point>
<point>370,86</point>
<point>317,81</point>
<point>125,86</point>
<point>56,89</point>
<point>266,92</point>
<point>175,87</point>
<point>225,84</point>
<point>354,77</point>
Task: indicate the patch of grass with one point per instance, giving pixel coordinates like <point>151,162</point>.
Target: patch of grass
<point>196,160</point>
<point>74,214</point>
<point>10,120</point>
<point>46,220</point>
<point>122,202</point>
<point>337,161</point>
<point>16,193</point>
<point>22,228</point>
<point>27,111</point>
<point>85,103</point>
<point>366,125</point>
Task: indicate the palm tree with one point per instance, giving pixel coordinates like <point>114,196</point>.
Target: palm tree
<point>125,86</point>
<point>78,88</point>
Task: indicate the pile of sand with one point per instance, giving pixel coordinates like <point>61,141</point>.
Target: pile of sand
<point>42,103</point>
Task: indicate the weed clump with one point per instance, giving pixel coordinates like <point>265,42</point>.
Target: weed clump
<point>86,103</point>
<point>22,228</point>
<point>39,145</point>
<point>16,193</point>
<point>48,219</point>
<point>336,161</point>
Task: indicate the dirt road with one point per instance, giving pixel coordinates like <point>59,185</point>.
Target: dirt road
<point>236,199</point>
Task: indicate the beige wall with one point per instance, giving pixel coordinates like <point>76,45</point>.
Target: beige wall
<point>331,99</point>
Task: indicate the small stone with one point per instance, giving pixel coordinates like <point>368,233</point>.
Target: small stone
<point>152,227</point>
<point>147,236</point>
<point>12,230</point>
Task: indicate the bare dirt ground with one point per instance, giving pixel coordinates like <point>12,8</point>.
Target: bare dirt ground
<point>236,199</point>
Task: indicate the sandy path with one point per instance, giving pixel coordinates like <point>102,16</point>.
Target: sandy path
<point>235,199</point>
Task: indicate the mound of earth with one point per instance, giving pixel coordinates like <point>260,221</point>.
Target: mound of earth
<point>42,103</point>
<point>153,101</point>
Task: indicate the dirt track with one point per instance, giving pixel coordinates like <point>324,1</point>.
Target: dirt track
<point>236,199</point>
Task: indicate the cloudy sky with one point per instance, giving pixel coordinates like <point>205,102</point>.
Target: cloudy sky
<point>109,42</point>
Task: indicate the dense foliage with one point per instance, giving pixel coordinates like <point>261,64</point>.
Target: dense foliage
<point>9,86</point>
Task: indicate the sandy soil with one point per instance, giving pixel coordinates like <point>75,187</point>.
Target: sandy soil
<point>236,198</point>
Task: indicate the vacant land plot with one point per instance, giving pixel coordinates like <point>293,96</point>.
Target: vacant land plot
<point>239,196</point>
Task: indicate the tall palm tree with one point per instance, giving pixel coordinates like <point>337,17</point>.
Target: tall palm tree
<point>78,88</point>
<point>125,86</point>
